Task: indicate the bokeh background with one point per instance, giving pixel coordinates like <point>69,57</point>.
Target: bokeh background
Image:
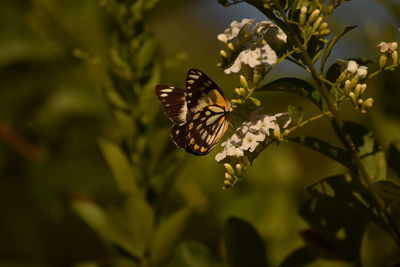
<point>52,113</point>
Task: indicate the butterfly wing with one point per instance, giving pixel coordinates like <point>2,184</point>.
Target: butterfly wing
<point>179,135</point>
<point>173,100</point>
<point>205,129</point>
<point>202,91</point>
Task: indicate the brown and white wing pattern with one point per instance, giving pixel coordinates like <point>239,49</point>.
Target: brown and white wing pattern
<point>173,101</point>
<point>205,129</point>
<point>202,91</point>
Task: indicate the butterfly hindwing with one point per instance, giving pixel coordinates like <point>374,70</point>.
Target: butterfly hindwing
<point>173,100</point>
<point>205,129</point>
<point>179,135</point>
<point>202,91</point>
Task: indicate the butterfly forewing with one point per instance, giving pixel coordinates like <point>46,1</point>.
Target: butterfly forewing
<point>173,100</point>
<point>202,91</point>
<point>205,129</point>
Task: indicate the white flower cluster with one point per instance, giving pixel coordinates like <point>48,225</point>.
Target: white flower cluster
<point>257,43</point>
<point>352,82</point>
<point>252,133</point>
<point>351,67</point>
<point>387,47</point>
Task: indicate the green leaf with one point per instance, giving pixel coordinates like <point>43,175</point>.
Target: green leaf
<point>295,113</point>
<point>244,246</point>
<point>103,224</point>
<point>119,165</point>
<point>295,86</point>
<point>339,210</point>
<point>328,149</point>
<point>368,149</point>
<point>298,258</point>
<point>167,235</point>
<point>193,254</point>
<point>331,44</point>
<point>136,218</point>
<point>146,53</point>
<point>394,157</point>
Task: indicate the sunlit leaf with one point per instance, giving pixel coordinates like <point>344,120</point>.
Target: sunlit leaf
<point>294,86</point>
<point>167,235</point>
<point>331,44</point>
<point>368,149</point>
<point>328,149</point>
<point>244,246</point>
<point>119,165</point>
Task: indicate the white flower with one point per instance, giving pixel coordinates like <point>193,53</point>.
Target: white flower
<point>235,29</point>
<point>253,57</point>
<point>352,66</point>
<point>362,71</point>
<point>387,48</point>
<point>251,141</point>
<point>252,133</point>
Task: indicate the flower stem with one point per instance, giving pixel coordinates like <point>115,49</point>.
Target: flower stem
<point>338,124</point>
<point>305,122</point>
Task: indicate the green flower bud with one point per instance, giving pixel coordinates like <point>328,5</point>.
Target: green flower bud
<point>303,13</point>
<point>382,60</point>
<point>316,24</point>
<point>363,87</point>
<point>238,169</point>
<point>323,26</point>
<point>313,16</point>
<point>229,168</point>
<point>353,98</point>
<point>243,82</point>
<point>394,57</point>
<point>228,177</point>
<point>223,53</point>
<point>231,46</point>
<point>255,101</point>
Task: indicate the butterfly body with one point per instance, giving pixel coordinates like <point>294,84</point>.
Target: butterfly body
<point>199,111</point>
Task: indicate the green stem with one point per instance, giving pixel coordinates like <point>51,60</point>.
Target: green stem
<point>305,122</point>
<point>337,122</point>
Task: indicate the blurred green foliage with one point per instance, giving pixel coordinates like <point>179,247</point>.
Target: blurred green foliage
<point>77,123</point>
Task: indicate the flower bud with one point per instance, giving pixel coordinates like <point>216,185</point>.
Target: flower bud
<point>313,16</point>
<point>360,101</point>
<point>243,82</point>
<point>357,90</point>
<point>228,177</point>
<point>238,169</point>
<point>316,24</point>
<point>382,60</point>
<point>394,57</point>
<point>223,53</point>
<point>353,98</point>
<point>367,103</point>
<point>323,26</point>
<point>229,168</point>
<point>325,32</point>
<point>347,87</point>
<point>303,13</point>
<point>363,88</point>
<point>255,101</point>
<point>231,46</point>
<point>341,77</point>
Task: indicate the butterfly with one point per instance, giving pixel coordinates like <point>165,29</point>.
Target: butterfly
<point>199,112</point>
